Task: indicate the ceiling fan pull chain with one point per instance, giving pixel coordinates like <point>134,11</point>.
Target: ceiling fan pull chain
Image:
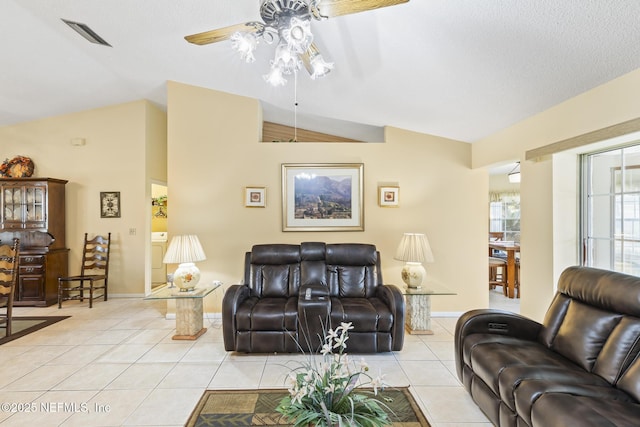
<point>295,106</point>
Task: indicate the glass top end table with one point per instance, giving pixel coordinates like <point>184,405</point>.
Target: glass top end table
<point>418,306</point>
<point>189,308</point>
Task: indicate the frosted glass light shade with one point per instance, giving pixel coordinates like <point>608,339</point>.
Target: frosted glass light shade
<point>185,250</point>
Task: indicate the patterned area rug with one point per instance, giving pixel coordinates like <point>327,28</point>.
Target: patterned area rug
<point>244,408</point>
<point>22,326</point>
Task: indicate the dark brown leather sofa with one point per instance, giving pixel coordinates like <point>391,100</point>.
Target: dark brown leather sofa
<point>579,368</point>
<point>290,293</point>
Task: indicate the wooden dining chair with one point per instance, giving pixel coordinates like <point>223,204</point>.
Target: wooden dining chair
<point>498,273</point>
<point>8,279</point>
<point>94,273</point>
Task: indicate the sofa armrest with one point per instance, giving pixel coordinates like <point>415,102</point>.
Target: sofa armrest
<point>392,296</point>
<point>496,322</point>
<point>233,297</point>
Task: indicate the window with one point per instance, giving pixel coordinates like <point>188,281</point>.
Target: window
<point>611,209</point>
<point>504,215</point>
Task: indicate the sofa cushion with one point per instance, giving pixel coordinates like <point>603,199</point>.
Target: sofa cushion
<point>594,287</point>
<point>508,352</point>
<point>352,270</point>
<point>512,379</point>
<point>630,380</point>
<point>366,314</point>
<point>268,314</point>
<point>276,280</point>
<point>559,409</point>
<point>619,351</point>
<point>529,391</point>
<point>583,333</point>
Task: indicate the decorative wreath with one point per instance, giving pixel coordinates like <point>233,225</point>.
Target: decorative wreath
<point>18,167</point>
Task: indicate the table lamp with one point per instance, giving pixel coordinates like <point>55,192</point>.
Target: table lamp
<point>414,249</point>
<point>186,251</point>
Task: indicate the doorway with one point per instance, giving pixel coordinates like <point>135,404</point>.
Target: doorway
<point>159,236</point>
<point>504,225</point>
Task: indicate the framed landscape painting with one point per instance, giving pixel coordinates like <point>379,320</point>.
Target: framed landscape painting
<point>322,197</point>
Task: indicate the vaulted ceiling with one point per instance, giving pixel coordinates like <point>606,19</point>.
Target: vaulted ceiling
<point>461,69</point>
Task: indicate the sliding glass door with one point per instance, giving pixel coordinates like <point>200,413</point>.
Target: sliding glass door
<point>611,209</point>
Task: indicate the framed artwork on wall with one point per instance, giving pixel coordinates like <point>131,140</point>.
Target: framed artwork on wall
<point>109,204</point>
<point>322,197</point>
<point>255,197</point>
<point>388,196</point>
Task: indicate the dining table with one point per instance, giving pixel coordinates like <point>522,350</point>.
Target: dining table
<point>511,248</point>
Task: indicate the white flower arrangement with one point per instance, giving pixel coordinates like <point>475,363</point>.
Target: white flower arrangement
<point>334,391</point>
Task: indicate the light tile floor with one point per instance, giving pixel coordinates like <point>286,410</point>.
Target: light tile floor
<point>116,364</point>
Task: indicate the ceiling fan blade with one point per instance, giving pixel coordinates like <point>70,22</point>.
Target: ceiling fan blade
<point>330,8</point>
<point>221,34</point>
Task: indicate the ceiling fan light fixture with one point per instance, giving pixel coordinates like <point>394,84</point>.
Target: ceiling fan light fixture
<point>288,21</point>
<point>297,34</point>
<point>245,44</point>
<point>320,67</point>
<point>275,77</point>
<point>285,59</point>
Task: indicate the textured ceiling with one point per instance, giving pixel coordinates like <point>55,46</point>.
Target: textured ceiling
<point>461,69</point>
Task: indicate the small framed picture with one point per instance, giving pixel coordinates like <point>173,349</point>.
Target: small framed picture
<point>255,197</point>
<point>109,204</point>
<point>388,196</point>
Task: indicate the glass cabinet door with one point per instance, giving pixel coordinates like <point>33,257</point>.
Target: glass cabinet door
<point>34,203</point>
<point>23,206</point>
<point>12,203</point>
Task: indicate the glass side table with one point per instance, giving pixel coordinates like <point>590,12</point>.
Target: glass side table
<point>418,306</point>
<point>189,309</point>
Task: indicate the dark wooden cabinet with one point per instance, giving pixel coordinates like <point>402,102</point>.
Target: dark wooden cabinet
<point>33,210</point>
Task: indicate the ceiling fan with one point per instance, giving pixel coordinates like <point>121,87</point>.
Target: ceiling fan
<point>288,23</point>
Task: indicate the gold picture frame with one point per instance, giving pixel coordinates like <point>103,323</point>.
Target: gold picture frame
<point>322,197</point>
<point>388,196</point>
<point>255,197</point>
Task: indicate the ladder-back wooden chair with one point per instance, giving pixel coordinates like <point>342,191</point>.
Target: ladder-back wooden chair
<point>8,279</point>
<point>94,273</point>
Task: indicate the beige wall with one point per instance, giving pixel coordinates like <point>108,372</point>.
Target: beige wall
<point>214,153</point>
<point>122,142</point>
<point>549,186</point>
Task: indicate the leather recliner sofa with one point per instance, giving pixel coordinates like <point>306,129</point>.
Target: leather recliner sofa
<point>579,368</point>
<point>291,294</point>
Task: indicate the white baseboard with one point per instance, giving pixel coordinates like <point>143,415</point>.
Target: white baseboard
<point>446,313</point>
<point>206,316</point>
<point>126,295</point>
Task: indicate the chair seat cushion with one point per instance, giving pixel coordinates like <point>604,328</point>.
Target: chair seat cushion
<point>268,314</point>
<point>561,409</point>
<point>507,353</point>
<point>365,314</point>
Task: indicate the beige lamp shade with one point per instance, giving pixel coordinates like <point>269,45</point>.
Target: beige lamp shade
<point>185,250</point>
<point>414,249</point>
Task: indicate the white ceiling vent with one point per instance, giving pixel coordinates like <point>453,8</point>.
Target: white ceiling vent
<point>86,32</point>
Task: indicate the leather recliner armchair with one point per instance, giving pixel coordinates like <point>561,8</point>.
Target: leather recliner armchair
<point>292,293</point>
<point>579,367</point>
